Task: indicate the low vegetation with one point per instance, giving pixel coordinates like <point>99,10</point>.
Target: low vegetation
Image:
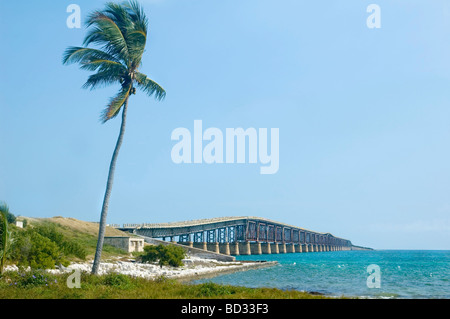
<point>49,242</point>
<point>41,285</point>
<point>43,247</point>
<point>165,255</point>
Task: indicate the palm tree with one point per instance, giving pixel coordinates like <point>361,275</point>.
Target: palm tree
<point>120,33</point>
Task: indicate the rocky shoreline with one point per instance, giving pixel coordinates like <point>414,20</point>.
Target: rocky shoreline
<point>193,268</point>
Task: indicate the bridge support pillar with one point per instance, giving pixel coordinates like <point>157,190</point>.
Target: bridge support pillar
<point>244,248</point>
<point>274,248</point>
<point>255,248</point>
<point>290,248</point>
<point>186,243</point>
<point>214,247</point>
<point>265,248</point>
<point>282,248</point>
<point>201,245</point>
<point>298,248</point>
<point>224,248</point>
<point>234,249</point>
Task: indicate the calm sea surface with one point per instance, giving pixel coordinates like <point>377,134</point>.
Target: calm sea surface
<point>403,273</point>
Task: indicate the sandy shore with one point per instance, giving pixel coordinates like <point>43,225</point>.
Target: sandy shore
<point>193,268</point>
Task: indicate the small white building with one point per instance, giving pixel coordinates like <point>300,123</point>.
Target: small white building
<point>129,244</point>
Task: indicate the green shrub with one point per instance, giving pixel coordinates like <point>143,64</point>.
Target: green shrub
<point>36,251</point>
<point>30,279</point>
<point>117,281</point>
<point>165,255</point>
<point>69,248</point>
<point>210,289</point>
<point>43,247</point>
<point>151,254</point>
<point>172,255</point>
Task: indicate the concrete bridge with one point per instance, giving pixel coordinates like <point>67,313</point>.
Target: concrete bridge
<point>243,236</point>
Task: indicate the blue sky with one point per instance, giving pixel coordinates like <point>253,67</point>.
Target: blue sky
<point>363,116</point>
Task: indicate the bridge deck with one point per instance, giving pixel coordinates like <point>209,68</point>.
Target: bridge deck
<point>233,229</point>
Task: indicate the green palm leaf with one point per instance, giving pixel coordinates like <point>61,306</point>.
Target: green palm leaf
<point>115,104</point>
<point>149,86</point>
<point>5,235</point>
<point>85,55</point>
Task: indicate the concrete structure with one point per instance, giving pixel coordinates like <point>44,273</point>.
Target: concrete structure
<point>129,244</point>
<point>243,236</point>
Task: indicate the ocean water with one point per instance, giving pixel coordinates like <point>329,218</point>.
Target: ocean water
<point>418,274</point>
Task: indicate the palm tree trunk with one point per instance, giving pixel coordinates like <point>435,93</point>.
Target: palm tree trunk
<point>112,166</point>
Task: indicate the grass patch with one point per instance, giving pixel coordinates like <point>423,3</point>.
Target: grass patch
<point>14,285</point>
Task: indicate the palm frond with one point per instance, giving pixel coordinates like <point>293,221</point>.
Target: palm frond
<point>119,32</point>
<point>149,86</point>
<point>104,65</point>
<point>85,55</point>
<point>120,15</point>
<point>137,14</point>
<point>105,33</point>
<point>102,78</point>
<point>116,104</point>
<point>137,36</point>
<point>5,234</point>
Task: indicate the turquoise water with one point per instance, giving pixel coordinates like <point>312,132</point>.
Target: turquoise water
<point>403,273</point>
